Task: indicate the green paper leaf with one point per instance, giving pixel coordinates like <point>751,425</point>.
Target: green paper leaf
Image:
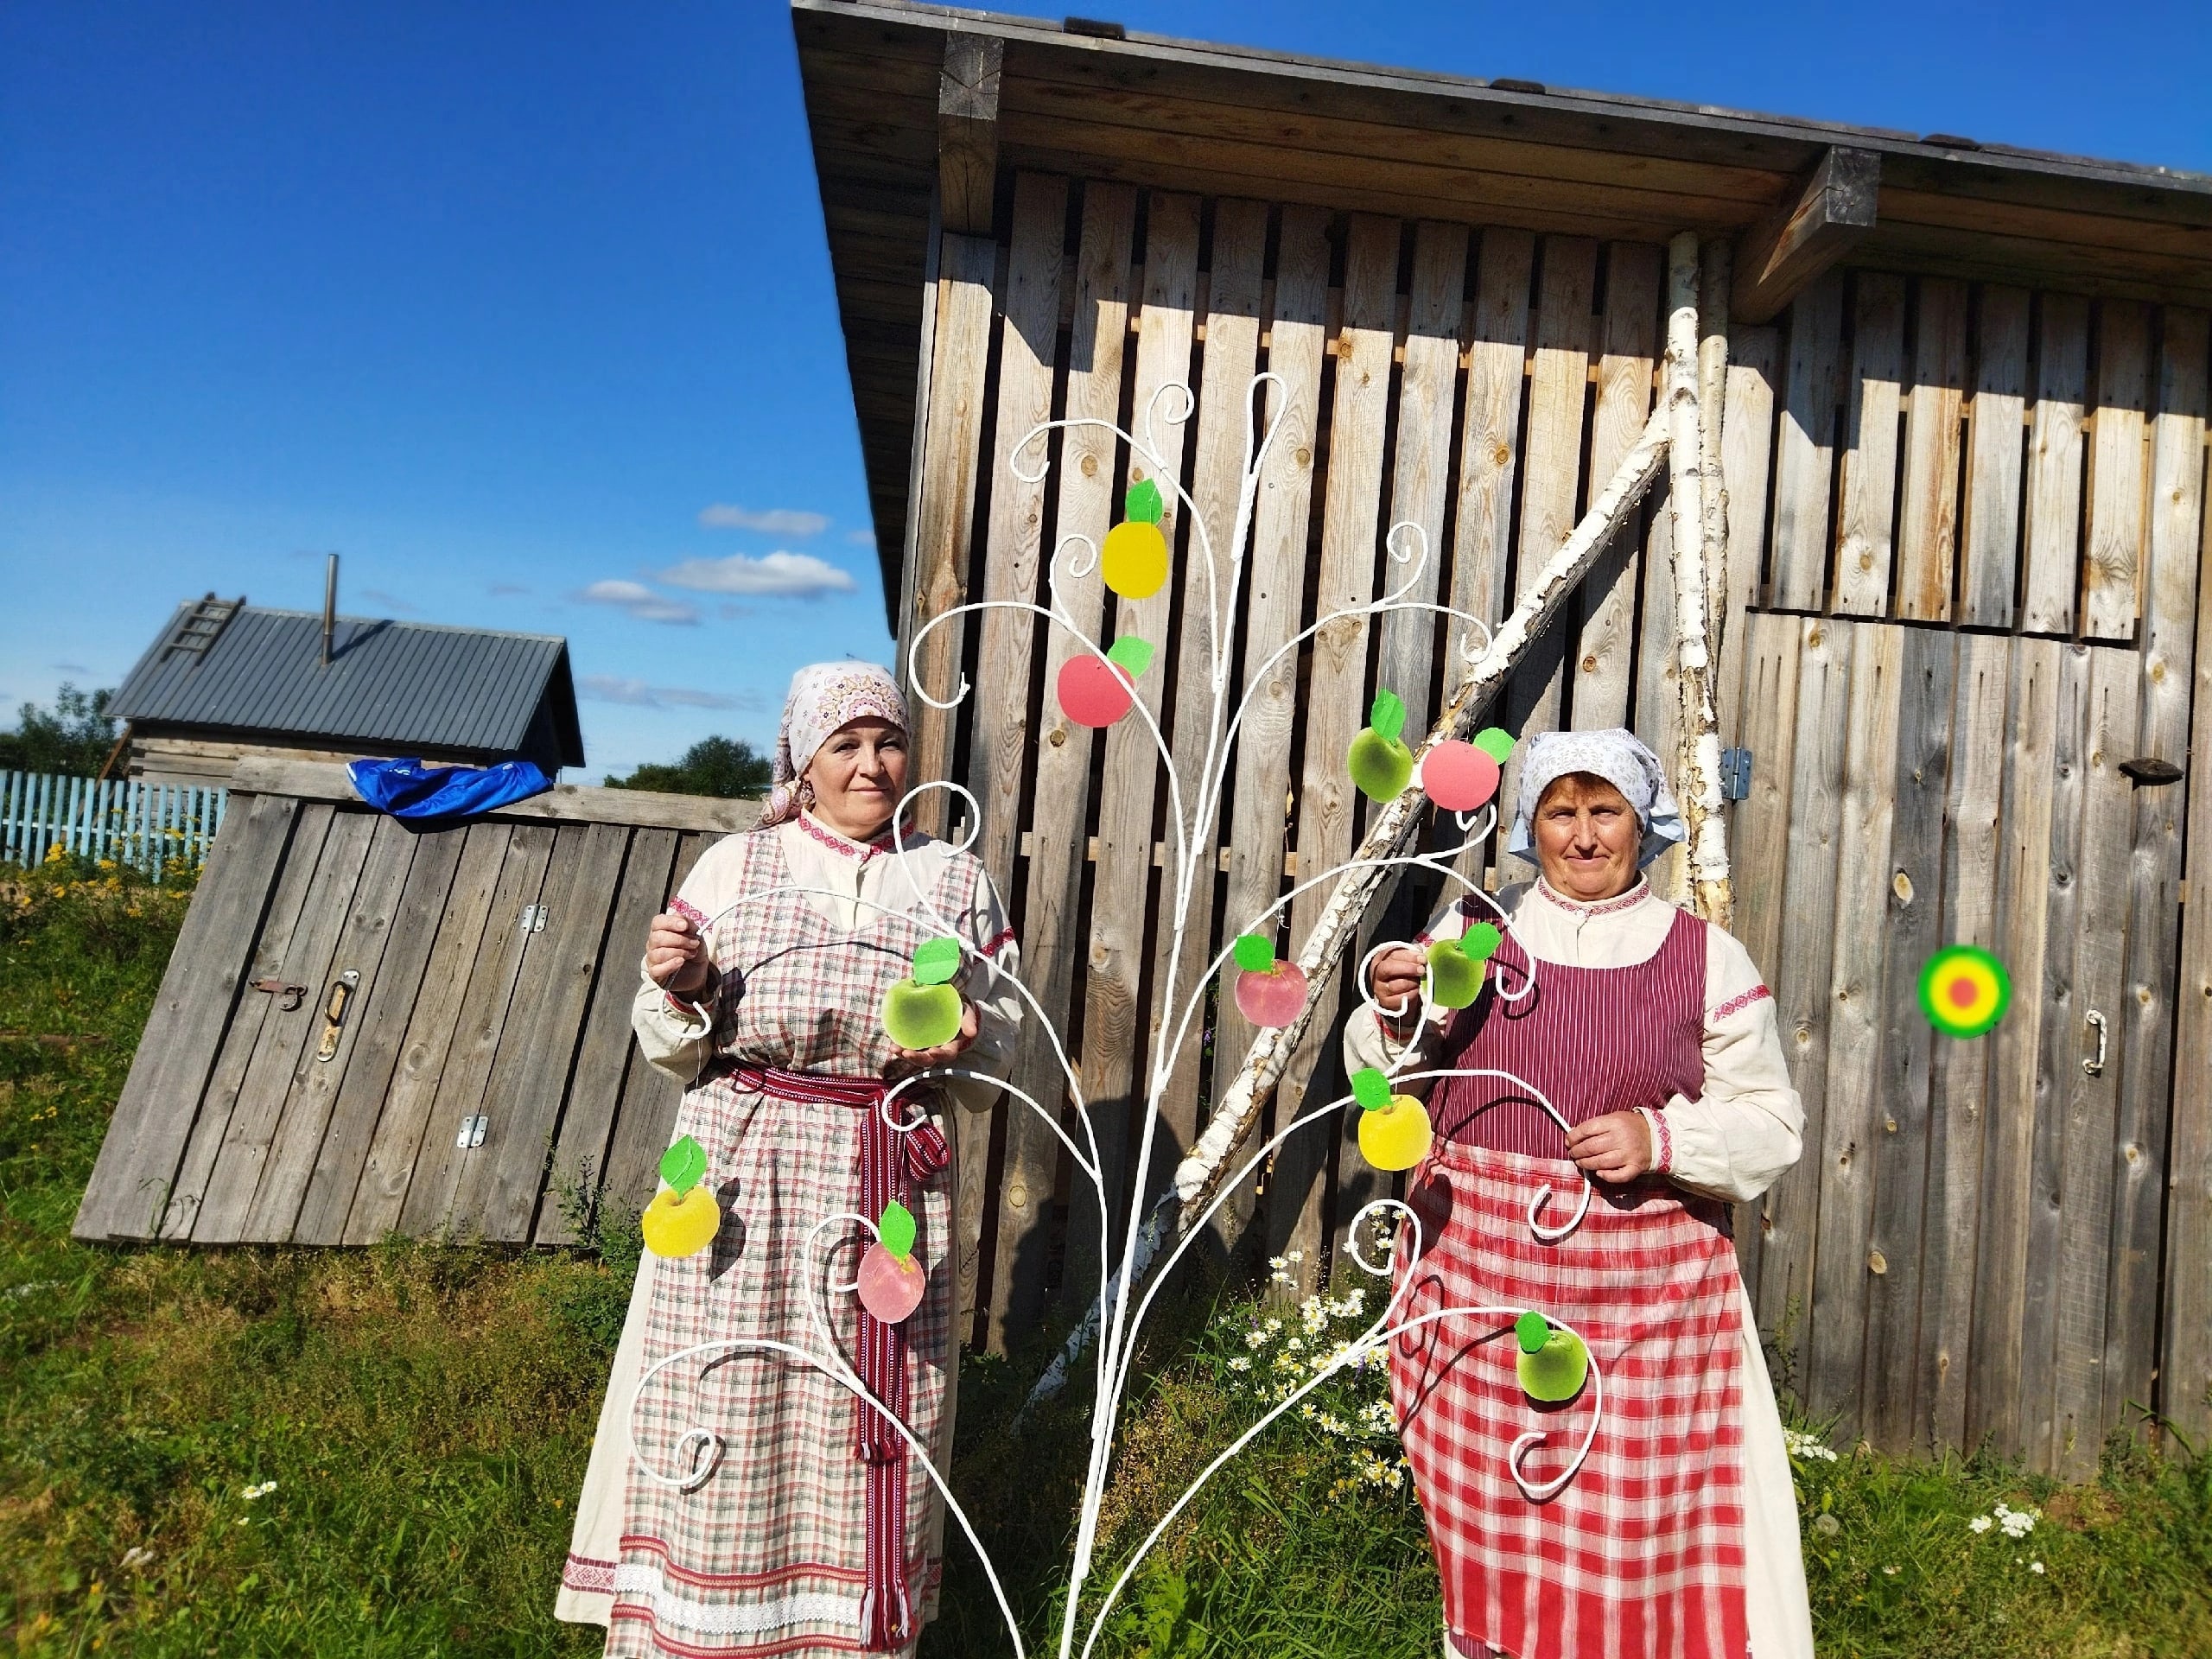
<point>896,1231</point>
<point>1480,941</point>
<point>1130,654</point>
<point>1387,717</point>
<point>1255,952</point>
<point>1144,502</point>
<point>936,960</point>
<point>1371,1088</point>
<point>1532,1331</point>
<point>682,1164</point>
<point>1496,742</point>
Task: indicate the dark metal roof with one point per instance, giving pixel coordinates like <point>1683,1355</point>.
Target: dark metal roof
<point>408,684</point>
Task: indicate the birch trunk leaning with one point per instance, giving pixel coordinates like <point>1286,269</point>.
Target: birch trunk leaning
<point>1699,760</point>
<point>1199,1175</point>
<point>1715,264</point>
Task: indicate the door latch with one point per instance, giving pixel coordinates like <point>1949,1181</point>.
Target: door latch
<point>289,997</point>
<point>333,1011</point>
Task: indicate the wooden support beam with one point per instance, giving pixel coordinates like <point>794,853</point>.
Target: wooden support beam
<point>968,132</point>
<point>1808,232</point>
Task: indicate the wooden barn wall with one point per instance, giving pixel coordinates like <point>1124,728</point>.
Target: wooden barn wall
<point>1965,527</point>
<point>496,966</point>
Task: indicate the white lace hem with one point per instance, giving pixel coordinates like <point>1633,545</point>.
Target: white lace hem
<point>752,1618</point>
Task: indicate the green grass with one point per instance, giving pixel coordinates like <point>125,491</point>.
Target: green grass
<point>424,1414</point>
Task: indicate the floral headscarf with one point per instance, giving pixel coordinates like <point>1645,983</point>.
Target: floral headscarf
<point>823,697</point>
<point>1620,758</point>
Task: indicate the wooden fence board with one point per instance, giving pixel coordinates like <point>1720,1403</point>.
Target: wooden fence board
<point>2052,567</point>
<point>1115,1049</point>
<point>1961,1070</point>
<point>1995,455</point>
<point>1335,696</point>
<point>405,1119</point>
<point>1852,1115</point>
<point>2023,908</point>
<point>1804,969</point>
<point>1746,452</point>
<point>155,1116</point>
<point>1867,483</point>
<point>1605,658</point>
<point>1913,931</point>
<point>1061,793</point>
<point>1274,606</point>
<point>579,1154</point>
<point>376,1026</point>
<point>297,1140</point>
<point>1804,447</point>
<point>2083,1247</point>
<point>2113,560</point>
<point>1657,716</point>
<point>1928,527</point>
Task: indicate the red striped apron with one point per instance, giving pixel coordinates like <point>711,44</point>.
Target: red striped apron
<point>1641,1555</point>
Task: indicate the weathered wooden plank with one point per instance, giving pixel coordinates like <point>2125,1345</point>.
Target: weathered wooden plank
<point>401,1127</point>
<point>1854,1114</point>
<point>319,780</point>
<point>1206,631</point>
<point>2052,570</point>
<point>1115,1057</point>
<point>1274,598</point>
<point>2185,1357</point>
<point>1813,224</point>
<point>2022,902</point>
<point>580,1153</point>
<point>305,1115</point>
<point>1866,492</point>
<point>1746,452</point>
<point>497,1197</point>
<point>945,512</point>
<point>1490,426</point>
<point>2082,1250</point>
<point>1927,526</point>
<point>1912,931</point>
<point>377,1025</point>
<point>485,998</point>
<point>1061,794</point>
<point>160,1101</point>
<point>2113,560</point>
<point>1995,455</point>
<point>1804,447</point>
<point>1804,970</point>
<point>2169,644</point>
<point>1335,696</point>
<point>1607,651</point>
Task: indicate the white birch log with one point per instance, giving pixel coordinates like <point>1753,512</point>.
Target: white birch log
<point>1715,260</point>
<point>1199,1175</point>
<point>1699,760</point>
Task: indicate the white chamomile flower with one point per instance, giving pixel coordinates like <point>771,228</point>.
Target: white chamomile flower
<point>2035,1568</point>
<point>1981,1524</point>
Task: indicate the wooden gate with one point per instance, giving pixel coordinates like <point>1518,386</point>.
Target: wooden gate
<point>484,1054</point>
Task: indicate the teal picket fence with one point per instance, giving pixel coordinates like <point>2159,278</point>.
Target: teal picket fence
<point>153,827</point>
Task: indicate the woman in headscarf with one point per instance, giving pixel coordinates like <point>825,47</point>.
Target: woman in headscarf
<point>816,1530</point>
<point>1650,1033</point>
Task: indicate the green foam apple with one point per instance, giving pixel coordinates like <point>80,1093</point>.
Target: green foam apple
<point>1552,1364</point>
<point>1457,967</point>
<point>923,1011</point>
<point>1379,763</point>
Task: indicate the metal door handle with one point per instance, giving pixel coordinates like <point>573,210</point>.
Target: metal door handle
<point>2095,1068</point>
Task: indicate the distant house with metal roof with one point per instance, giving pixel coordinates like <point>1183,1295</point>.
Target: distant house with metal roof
<point>226,680</point>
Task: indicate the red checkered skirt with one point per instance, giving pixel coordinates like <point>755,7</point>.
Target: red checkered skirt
<point>1641,1555</point>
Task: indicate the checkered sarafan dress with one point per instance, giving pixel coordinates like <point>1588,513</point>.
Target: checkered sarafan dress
<point>768,1555</point>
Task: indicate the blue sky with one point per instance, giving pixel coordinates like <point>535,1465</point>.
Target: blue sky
<point>525,310</point>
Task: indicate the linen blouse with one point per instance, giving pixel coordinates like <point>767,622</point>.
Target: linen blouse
<point>1748,1124</point>
<point>852,885</point>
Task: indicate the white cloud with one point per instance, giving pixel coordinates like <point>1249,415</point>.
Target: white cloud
<point>799,575</point>
<point>860,537</point>
<point>609,688</point>
<point>640,601</point>
<point>775,521</point>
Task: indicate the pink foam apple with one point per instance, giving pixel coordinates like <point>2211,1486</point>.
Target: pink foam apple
<point>891,1276</point>
<point>1269,993</point>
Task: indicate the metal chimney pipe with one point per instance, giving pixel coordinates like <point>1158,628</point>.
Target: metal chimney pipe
<point>329,607</point>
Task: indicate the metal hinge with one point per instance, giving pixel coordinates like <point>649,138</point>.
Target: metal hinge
<point>1735,774</point>
<point>471,1132</point>
<point>533,918</point>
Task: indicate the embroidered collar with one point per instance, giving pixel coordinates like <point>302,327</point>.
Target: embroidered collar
<point>885,843</point>
<point>1629,900</point>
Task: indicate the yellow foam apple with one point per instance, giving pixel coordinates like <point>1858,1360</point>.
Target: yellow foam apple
<point>1393,1129</point>
<point>683,1217</point>
<point>1133,561</point>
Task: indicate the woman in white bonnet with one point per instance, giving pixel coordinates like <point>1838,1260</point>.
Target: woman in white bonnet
<point>1651,1034</point>
<point>816,1531</point>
